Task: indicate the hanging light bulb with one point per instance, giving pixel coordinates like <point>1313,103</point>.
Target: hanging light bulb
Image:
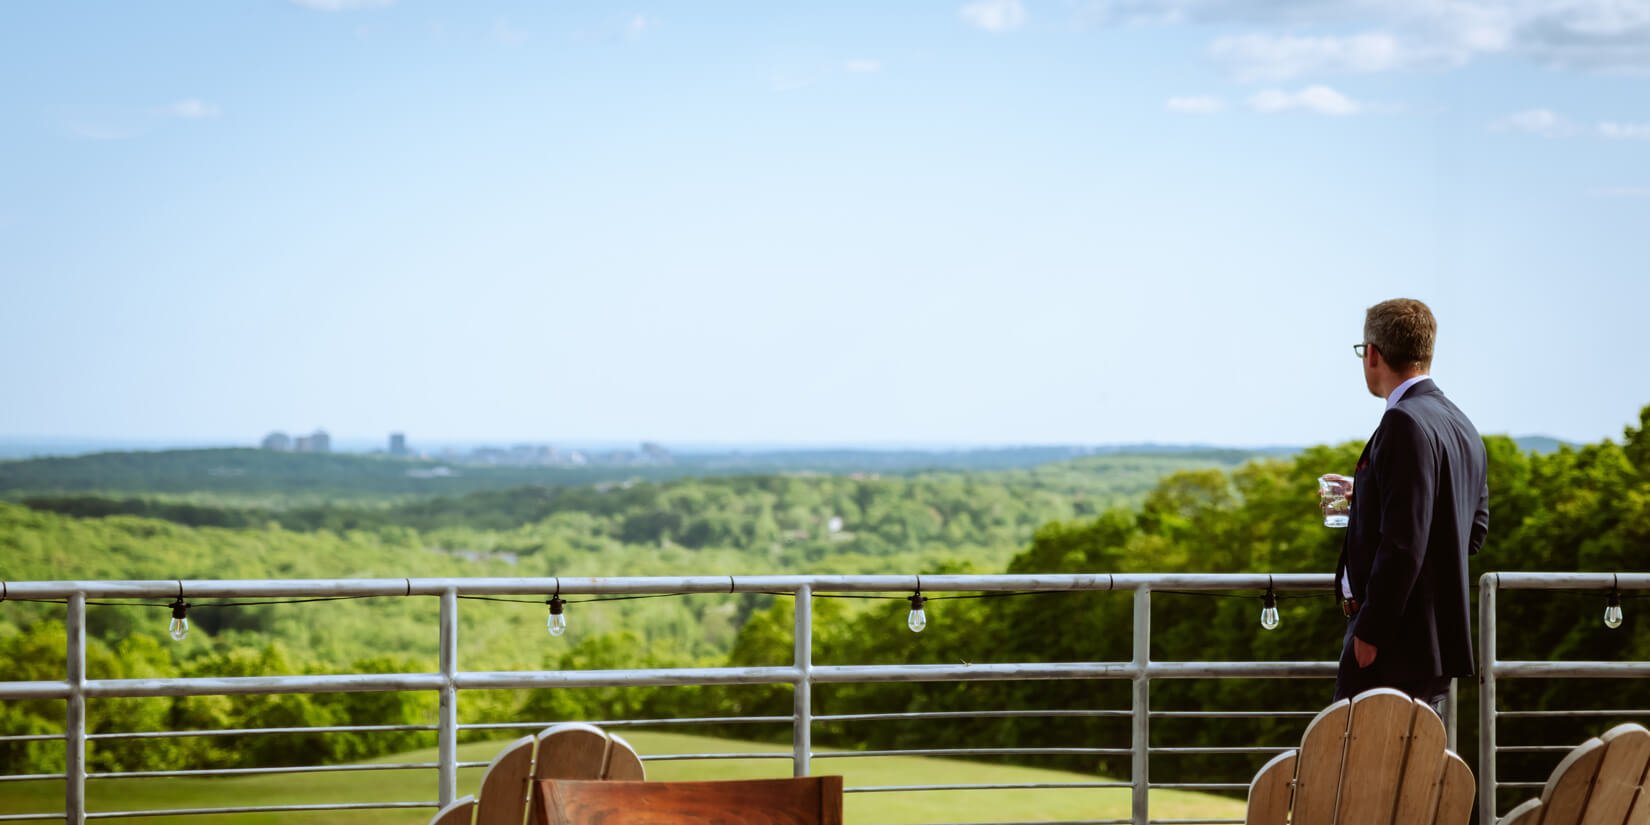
<point>557,623</point>
<point>179,627</point>
<point>1612,610</point>
<point>917,619</point>
<point>1269,611</point>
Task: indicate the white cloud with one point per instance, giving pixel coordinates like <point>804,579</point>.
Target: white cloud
<point>1625,131</point>
<point>1198,105</point>
<point>1608,35</point>
<point>863,65</point>
<point>994,15</point>
<point>191,109</point>
<point>1264,57</point>
<point>1316,99</point>
<point>341,5</point>
<point>1543,122</point>
<point>1600,35</point>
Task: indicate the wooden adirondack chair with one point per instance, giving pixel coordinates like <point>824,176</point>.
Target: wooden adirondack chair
<point>1601,782</point>
<point>1376,759</point>
<point>568,751</point>
<point>804,800</point>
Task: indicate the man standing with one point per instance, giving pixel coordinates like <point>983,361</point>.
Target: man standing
<point>1420,506</point>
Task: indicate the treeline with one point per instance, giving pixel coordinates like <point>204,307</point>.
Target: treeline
<point>283,479</point>
<point>703,512</point>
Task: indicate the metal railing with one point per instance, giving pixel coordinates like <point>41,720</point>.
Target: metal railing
<point>1492,670</point>
<point>801,674</point>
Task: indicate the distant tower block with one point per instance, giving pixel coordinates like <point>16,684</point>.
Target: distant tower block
<point>316,442</point>
<point>398,443</point>
<point>278,441</point>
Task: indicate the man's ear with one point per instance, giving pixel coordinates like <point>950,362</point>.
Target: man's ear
<point>1372,357</point>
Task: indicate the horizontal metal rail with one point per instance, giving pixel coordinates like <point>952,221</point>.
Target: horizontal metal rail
<point>659,677</point>
<point>984,714</point>
<point>253,809</point>
<point>640,723</point>
<point>1531,714</point>
<point>371,766</point>
<point>948,752</point>
<point>168,589</point>
<point>1005,786</point>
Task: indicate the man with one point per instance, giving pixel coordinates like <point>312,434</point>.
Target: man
<point>1420,506</point>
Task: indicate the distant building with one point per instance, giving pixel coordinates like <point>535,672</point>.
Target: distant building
<point>316,442</point>
<point>655,453</point>
<point>398,444</point>
<point>278,441</point>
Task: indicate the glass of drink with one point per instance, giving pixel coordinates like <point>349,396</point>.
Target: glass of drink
<point>1334,497</point>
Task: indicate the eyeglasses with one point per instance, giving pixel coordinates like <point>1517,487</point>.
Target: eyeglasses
<point>1360,349</point>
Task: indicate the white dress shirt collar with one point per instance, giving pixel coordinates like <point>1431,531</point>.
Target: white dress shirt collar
<point>1398,393</point>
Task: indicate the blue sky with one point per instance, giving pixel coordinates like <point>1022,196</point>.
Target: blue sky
<point>996,221</point>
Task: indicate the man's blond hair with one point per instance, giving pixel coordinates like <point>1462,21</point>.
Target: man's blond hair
<point>1404,330</point>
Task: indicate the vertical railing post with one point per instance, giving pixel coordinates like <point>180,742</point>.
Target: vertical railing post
<point>74,728</point>
<point>447,721</point>
<point>1487,585</point>
<point>803,719</point>
<point>1140,741</point>
<point>1452,712</point>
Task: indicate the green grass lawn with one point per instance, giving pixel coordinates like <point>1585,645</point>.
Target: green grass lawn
<point>895,807</point>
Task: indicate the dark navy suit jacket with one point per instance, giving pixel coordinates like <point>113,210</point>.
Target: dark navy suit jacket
<point>1420,506</point>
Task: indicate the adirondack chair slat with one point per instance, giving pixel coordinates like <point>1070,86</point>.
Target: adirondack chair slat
<point>1269,793</point>
<point>571,751</point>
<point>623,763</point>
<point>506,787</point>
<point>1565,796</point>
<point>1455,793</point>
<point>1424,766</point>
<point>1318,769</point>
<point>1626,750</point>
<point>1639,814</point>
<point>1376,746</point>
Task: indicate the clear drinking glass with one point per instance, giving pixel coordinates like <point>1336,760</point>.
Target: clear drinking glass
<point>1334,496</point>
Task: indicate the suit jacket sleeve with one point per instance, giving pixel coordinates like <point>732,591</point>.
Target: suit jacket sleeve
<point>1480,522</point>
<point>1407,468</point>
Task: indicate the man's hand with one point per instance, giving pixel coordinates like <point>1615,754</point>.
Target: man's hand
<point>1363,651</point>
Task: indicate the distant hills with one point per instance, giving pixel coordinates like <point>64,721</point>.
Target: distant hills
<point>1540,444</point>
<point>257,473</point>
